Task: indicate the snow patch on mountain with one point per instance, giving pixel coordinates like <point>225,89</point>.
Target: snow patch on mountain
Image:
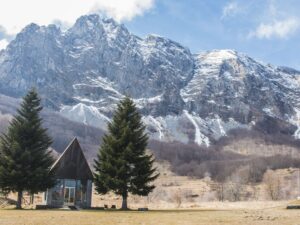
<point>101,82</point>
<point>199,137</point>
<point>217,57</point>
<point>207,64</point>
<point>86,100</point>
<point>143,102</point>
<point>168,129</point>
<point>221,128</point>
<point>296,121</point>
<point>88,115</point>
<point>157,124</point>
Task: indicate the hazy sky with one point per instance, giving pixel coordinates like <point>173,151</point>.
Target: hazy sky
<point>268,30</point>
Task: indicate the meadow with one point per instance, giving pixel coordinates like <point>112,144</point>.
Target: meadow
<point>204,216</point>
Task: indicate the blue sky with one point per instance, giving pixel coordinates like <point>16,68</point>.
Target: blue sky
<point>267,30</point>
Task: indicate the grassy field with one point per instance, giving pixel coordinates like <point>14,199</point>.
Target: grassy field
<point>273,216</point>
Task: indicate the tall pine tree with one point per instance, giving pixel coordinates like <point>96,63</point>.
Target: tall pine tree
<point>25,161</point>
<point>122,165</point>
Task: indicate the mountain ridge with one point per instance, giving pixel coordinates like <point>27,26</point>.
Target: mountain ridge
<point>83,72</point>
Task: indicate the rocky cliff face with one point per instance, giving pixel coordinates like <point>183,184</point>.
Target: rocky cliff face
<point>83,72</point>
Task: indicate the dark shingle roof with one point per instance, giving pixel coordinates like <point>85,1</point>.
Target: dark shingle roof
<point>72,163</point>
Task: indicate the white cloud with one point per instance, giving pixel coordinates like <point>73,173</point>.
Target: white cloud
<point>3,44</point>
<point>279,29</point>
<point>123,10</point>
<point>15,14</point>
<point>230,9</point>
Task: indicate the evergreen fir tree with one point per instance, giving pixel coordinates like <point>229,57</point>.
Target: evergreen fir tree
<point>25,161</point>
<point>122,165</point>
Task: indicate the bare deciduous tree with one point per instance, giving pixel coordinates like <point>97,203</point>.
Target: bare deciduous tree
<point>177,198</point>
<point>235,187</point>
<point>272,184</point>
<point>220,190</point>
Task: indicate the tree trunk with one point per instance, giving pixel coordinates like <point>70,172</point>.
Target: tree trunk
<point>124,202</point>
<point>19,201</point>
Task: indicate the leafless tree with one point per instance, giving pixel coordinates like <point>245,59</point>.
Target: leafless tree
<point>235,187</point>
<point>220,190</point>
<point>272,184</point>
<point>177,198</point>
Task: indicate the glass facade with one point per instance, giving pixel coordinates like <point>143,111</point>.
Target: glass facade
<point>78,191</point>
<point>69,192</point>
<point>70,183</point>
<point>57,191</point>
<point>84,191</point>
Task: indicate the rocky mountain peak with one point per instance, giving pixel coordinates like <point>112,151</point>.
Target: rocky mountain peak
<point>96,25</point>
<point>30,28</point>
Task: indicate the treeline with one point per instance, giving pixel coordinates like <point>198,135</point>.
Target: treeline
<point>268,137</point>
<point>195,161</point>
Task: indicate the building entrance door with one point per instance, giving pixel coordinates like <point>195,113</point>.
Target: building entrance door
<point>69,195</point>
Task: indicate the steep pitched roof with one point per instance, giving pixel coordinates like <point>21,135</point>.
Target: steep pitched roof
<point>72,163</point>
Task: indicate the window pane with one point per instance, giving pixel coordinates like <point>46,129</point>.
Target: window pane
<point>67,193</point>
<point>57,191</point>
<point>72,195</point>
<point>84,189</point>
<point>78,190</point>
<point>70,183</point>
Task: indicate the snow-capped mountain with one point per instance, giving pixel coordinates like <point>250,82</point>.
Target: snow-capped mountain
<point>84,71</point>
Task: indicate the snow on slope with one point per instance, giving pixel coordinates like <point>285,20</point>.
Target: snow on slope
<point>143,102</point>
<point>199,137</point>
<point>89,115</point>
<point>207,64</point>
<point>296,121</point>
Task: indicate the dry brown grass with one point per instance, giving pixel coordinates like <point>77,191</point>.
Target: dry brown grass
<point>273,216</point>
<point>200,210</point>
